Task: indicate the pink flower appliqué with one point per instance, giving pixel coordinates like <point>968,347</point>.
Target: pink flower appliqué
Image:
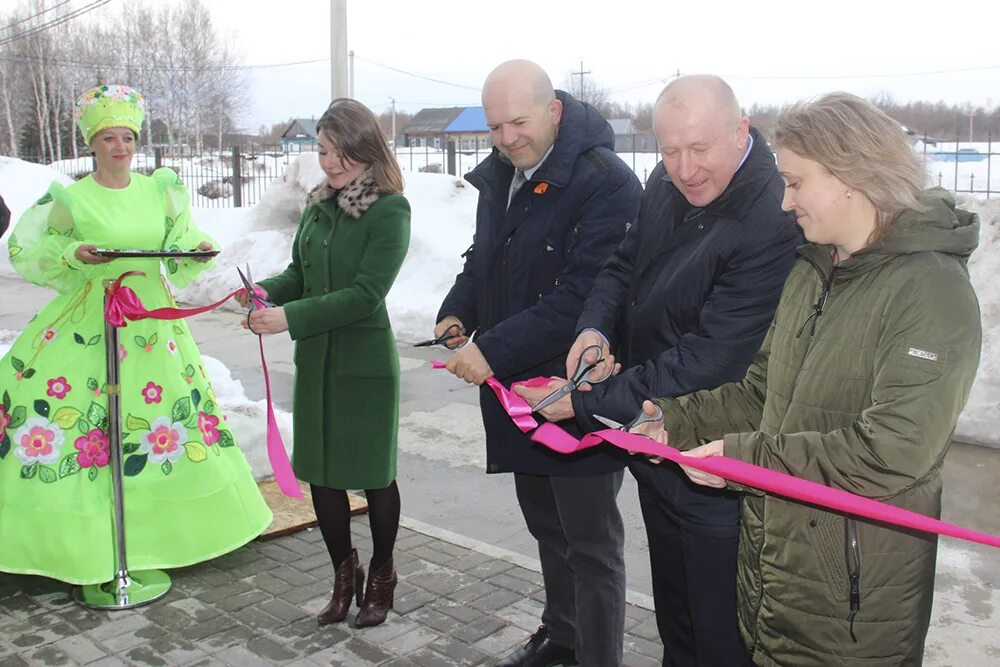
<point>152,393</point>
<point>49,335</point>
<point>59,387</point>
<point>94,449</point>
<point>172,346</point>
<point>122,353</point>
<point>164,441</point>
<point>5,420</point>
<point>208,425</point>
<point>38,441</point>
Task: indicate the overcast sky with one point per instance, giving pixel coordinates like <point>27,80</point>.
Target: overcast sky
<point>771,51</point>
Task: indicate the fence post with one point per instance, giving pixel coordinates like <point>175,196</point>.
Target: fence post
<point>451,157</point>
<point>237,178</point>
<point>157,157</point>
<point>956,163</point>
<point>989,162</point>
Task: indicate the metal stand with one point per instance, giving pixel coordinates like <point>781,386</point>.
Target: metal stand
<point>127,589</point>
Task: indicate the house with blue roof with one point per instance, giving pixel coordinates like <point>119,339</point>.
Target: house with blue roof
<point>300,135</point>
<point>435,127</point>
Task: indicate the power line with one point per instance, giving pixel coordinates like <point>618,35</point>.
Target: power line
<point>10,26</point>
<point>420,76</point>
<point>58,21</point>
<point>77,64</point>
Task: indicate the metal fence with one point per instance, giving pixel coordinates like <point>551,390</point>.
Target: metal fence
<point>965,167</point>
<point>239,176</point>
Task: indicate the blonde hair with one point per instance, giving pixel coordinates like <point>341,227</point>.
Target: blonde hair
<point>355,132</point>
<point>862,146</point>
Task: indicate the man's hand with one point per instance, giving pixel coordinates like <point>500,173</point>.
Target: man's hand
<point>558,411</point>
<point>446,325</point>
<point>267,321</point>
<point>583,341</point>
<point>714,448</point>
<point>469,364</point>
<point>653,430</point>
<point>85,253</point>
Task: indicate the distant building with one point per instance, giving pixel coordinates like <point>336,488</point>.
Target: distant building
<point>300,135</point>
<point>627,140</point>
<point>435,127</point>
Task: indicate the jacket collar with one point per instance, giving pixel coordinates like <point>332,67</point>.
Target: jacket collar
<point>580,129</point>
<point>752,177</point>
<point>354,199</point>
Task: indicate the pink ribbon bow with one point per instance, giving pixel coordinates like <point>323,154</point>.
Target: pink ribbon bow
<point>123,305</point>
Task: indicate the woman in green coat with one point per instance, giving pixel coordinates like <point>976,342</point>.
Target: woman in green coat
<point>350,244</point>
<point>858,385</point>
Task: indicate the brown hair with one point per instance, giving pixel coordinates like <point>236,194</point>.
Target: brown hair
<point>354,130</point>
<point>860,145</point>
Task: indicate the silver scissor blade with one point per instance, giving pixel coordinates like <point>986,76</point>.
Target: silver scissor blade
<point>553,397</point>
<point>610,423</point>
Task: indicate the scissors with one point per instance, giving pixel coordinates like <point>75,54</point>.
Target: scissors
<point>583,368</point>
<point>254,302</point>
<point>641,418</point>
<point>452,332</point>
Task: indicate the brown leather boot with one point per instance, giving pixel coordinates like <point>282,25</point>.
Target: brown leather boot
<point>347,583</point>
<point>378,595</point>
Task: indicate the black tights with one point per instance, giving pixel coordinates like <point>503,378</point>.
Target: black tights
<point>333,511</point>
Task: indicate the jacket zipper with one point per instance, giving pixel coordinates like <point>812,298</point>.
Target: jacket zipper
<point>852,551</point>
<point>820,304</point>
<point>818,309</point>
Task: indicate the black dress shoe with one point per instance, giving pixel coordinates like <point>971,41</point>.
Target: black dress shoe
<point>540,651</point>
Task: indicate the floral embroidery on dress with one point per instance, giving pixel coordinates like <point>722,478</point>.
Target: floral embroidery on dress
<point>208,425</point>
<point>58,387</point>
<point>94,449</point>
<point>164,441</point>
<point>38,441</point>
<point>152,392</point>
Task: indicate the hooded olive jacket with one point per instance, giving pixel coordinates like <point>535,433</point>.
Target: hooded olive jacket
<point>858,386</point>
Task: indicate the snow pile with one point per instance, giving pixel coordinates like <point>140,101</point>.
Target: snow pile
<point>982,412</point>
<point>442,226</point>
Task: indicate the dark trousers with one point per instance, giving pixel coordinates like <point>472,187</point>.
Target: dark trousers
<point>694,580</point>
<point>581,540</point>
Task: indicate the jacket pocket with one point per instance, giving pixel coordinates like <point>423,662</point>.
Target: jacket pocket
<point>826,533</point>
<point>366,352</point>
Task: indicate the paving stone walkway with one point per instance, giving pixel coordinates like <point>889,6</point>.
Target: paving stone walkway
<point>454,606</point>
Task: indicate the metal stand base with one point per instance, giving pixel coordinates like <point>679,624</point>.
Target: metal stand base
<point>126,591</point>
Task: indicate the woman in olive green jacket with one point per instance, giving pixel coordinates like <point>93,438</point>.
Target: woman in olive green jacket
<point>859,384</point>
<point>349,247</point>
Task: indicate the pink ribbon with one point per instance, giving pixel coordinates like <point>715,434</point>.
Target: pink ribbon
<point>123,304</point>
<point>740,472</point>
<point>765,479</point>
<point>514,405</point>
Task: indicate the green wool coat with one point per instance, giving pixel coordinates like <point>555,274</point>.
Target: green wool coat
<point>346,391</point>
<point>862,396</point>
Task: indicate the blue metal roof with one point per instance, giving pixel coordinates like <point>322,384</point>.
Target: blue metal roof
<point>472,119</point>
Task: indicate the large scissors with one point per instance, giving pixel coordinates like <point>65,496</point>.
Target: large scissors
<point>581,375</point>
<point>452,332</point>
<point>254,302</point>
<point>641,418</point>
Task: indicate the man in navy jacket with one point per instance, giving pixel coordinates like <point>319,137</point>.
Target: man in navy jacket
<point>554,203</point>
<point>685,303</point>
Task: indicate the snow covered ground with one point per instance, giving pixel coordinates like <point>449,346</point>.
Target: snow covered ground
<point>442,227</point>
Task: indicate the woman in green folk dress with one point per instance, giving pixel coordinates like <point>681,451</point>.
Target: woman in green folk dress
<point>350,244</point>
<point>189,493</point>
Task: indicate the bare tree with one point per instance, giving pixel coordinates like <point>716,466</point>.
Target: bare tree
<point>586,90</point>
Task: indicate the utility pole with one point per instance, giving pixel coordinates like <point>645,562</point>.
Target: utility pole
<point>393,124</point>
<point>580,74</point>
<point>351,56</point>
<point>338,48</point>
